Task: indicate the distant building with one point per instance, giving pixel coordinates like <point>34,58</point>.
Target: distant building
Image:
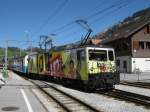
<point>131,40</point>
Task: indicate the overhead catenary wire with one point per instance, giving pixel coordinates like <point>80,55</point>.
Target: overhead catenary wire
<point>93,22</point>
<point>112,8</point>
<point>90,17</point>
<point>111,11</point>
<point>67,25</point>
<point>105,11</point>
<point>52,15</point>
<point>115,4</point>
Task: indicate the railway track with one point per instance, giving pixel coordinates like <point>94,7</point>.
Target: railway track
<point>137,84</point>
<point>68,102</point>
<point>128,96</point>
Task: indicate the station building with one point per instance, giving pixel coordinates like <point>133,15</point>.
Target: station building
<point>131,40</point>
<point>132,49</point>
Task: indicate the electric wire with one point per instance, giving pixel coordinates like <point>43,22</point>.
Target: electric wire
<point>67,25</point>
<point>105,10</point>
<point>90,17</point>
<point>111,12</point>
<point>114,7</point>
<point>52,15</point>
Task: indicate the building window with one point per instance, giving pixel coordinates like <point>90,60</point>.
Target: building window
<point>118,63</point>
<point>148,45</point>
<point>124,66</point>
<point>141,45</point>
<point>124,46</point>
<point>111,55</point>
<point>135,45</point>
<point>148,28</point>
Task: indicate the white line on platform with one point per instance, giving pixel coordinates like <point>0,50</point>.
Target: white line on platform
<point>27,101</point>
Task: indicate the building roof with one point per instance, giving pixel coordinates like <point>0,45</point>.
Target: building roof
<point>128,27</point>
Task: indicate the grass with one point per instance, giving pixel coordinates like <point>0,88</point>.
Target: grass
<point>11,53</point>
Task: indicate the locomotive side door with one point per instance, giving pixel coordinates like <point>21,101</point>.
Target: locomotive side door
<point>81,65</point>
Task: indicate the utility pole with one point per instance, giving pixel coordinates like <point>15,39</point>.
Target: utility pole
<point>20,52</point>
<point>46,40</point>
<point>31,47</point>
<point>6,56</point>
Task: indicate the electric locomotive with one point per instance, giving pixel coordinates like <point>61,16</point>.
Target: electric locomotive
<point>92,66</point>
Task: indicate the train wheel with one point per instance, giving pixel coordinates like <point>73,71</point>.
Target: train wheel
<point>110,87</point>
<point>86,88</point>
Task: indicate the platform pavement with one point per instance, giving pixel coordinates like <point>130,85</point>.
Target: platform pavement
<point>135,77</point>
<point>16,96</point>
<point>17,92</point>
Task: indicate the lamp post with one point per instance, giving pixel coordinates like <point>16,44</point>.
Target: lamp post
<point>134,60</point>
<point>136,70</point>
<point>6,57</point>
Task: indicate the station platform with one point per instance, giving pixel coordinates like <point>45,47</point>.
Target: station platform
<point>143,77</point>
<point>17,95</point>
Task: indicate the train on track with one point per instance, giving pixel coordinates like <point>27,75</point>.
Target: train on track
<point>88,65</point>
<point>91,66</point>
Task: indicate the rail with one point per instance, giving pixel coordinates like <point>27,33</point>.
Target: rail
<point>128,96</point>
<point>137,84</point>
<point>65,100</point>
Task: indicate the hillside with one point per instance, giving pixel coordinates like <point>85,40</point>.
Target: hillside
<point>12,51</point>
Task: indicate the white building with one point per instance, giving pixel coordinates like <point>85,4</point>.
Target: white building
<point>132,45</point>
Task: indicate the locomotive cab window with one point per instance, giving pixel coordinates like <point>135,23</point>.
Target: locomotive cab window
<point>111,55</point>
<point>98,55</point>
<point>80,54</point>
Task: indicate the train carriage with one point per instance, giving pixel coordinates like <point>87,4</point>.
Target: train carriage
<point>32,65</point>
<point>19,64</point>
<point>89,66</point>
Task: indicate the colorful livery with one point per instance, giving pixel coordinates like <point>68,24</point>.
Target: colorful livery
<point>91,66</point>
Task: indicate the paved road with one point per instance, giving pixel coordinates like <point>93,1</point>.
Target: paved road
<point>17,96</point>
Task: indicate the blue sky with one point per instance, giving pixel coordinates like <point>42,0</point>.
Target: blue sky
<point>28,19</point>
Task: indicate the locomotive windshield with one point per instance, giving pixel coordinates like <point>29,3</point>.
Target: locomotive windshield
<point>98,55</point>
